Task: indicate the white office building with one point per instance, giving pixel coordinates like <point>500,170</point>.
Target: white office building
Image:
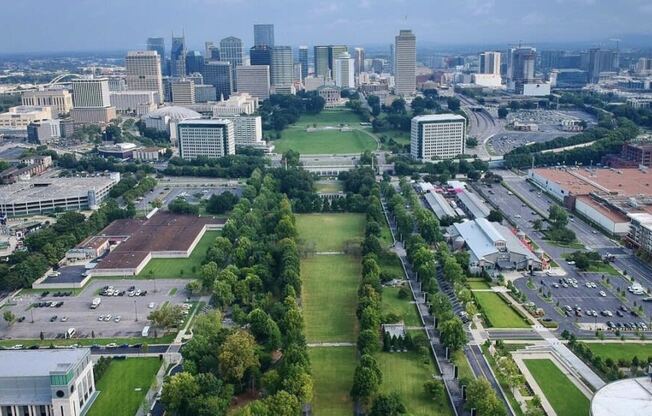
<point>144,71</point>
<point>43,131</point>
<point>15,121</point>
<point>254,80</point>
<point>405,63</point>
<point>239,103</point>
<point>208,138</point>
<point>282,67</point>
<point>344,71</point>
<point>134,102</point>
<point>59,99</point>
<point>46,382</point>
<point>248,130</point>
<point>92,101</point>
<point>183,91</point>
<point>437,136</point>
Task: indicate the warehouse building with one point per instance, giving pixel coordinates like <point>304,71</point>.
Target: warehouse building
<point>439,205</point>
<point>472,204</point>
<point>43,195</point>
<point>492,246</point>
<point>46,382</point>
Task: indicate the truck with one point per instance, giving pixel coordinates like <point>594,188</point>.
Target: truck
<point>95,303</point>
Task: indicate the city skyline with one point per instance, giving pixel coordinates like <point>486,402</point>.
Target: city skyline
<point>366,23</point>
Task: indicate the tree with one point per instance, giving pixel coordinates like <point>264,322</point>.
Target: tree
<point>365,384</point>
<point>237,356</point>
<point>453,104</point>
<point>181,206</point>
<point>9,317</point>
<point>167,316</point>
<point>388,405</point>
<point>495,216</point>
<point>219,204</point>
<point>502,112</point>
<point>452,333</point>
<point>471,142</point>
<point>178,393</point>
<point>481,396</point>
<point>434,389</point>
<point>264,329</point>
<point>283,404</point>
<point>368,342</point>
<point>557,217</point>
<point>537,224</point>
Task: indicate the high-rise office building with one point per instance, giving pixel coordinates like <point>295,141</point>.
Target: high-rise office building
<point>601,60</point>
<point>321,61</point>
<point>260,55</point>
<point>183,91</point>
<point>282,66</point>
<point>490,63</point>
<point>405,63</point>
<point>178,57</point>
<point>212,51</point>
<point>264,35</point>
<point>521,66</point>
<point>194,61</point>
<point>345,71</point>
<point>437,136</point>
<point>207,138</point>
<point>550,59</point>
<point>144,72</point>
<point>231,52</point>
<point>303,60</point>
<point>158,45</point>
<point>255,80</point>
<point>218,74</point>
<point>92,101</point>
<point>391,58</point>
<point>333,52</point>
<point>358,57</point>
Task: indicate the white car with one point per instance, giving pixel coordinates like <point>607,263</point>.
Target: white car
<point>108,317</point>
<point>151,305</point>
<point>100,318</point>
<point>117,318</point>
<point>64,319</point>
<point>602,293</point>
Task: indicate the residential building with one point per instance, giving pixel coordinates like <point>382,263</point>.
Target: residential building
<point>231,52</point>
<point>136,103</point>
<point>282,66</point>
<point>247,130</point>
<point>238,103</point>
<point>15,121</point>
<point>264,35</point>
<point>359,57</point>
<point>490,63</point>
<point>405,78</point>
<point>219,75</point>
<point>640,102</point>
<point>255,80</point>
<point>183,91</point>
<point>206,138</point>
<point>59,99</point>
<point>144,72</point>
<point>205,93</point>
<point>437,136</point>
<point>178,57</point>
<point>158,45</point>
<point>43,131</point>
<point>303,60</point>
<point>54,382</point>
<point>345,71</point>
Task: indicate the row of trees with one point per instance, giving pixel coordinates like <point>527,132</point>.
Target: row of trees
<point>253,275</point>
<point>240,165</point>
<point>279,111</point>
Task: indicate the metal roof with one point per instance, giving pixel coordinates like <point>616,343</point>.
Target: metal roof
<point>439,205</point>
<point>473,204</point>
<point>39,363</point>
<point>628,397</point>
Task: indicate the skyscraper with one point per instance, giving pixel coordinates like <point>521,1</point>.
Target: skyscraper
<point>231,52</point>
<point>207,138</point>
<point>144,72</point>
<point>158,45</point>
<point>405,62</point>
<point>183,91</point>
<point>601,60</point>
<point>490,63</point>
<point>194,62</point>
<point>282,66</point>
<point>92,101</point>
<point>321,61</point>
<point>260,55</point>
<point>437,136</point>
<point>344,71</point>
<point>333,52</point>
<point>218,74</point>
<point>212,51</point>
<point>264,35</point>
<point>178,57</point>
<point>358,56</point>
<point>391,58</point>
<point>254,79</point>
<point>303,60</point>
<point>521,66</point>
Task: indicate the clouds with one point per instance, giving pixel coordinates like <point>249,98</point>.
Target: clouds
<point>125,24</point>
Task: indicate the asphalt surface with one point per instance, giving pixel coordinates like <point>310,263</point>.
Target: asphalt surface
<point>482,126</point>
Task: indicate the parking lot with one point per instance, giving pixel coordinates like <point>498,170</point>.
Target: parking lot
<point>76,312</point>
<point>192,194</point>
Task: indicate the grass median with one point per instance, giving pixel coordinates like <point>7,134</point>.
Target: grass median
<point>498,312</point>
<point>564,397</point>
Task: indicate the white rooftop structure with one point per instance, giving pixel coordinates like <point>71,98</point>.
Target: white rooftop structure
<point>473,204</point>
<point>439,205</point>
<point>628,397</point>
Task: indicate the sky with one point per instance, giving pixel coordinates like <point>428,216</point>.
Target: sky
<point>96,25</point>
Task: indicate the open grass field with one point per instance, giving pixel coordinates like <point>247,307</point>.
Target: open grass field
<point>499,312</point>
<point>477,284</point>
<point>402,307</point>
<point>329,117</point>
<point>329,297</point>
<point>564,397</point>
<point>391,264</point>
<point>324,141</point>
<point>332,373</point>
<point>175,268</point>
<point>124,385</point>
<point>400,137</point>
<point>329,232</point>
<point>616,351</point>
<point>328,186</point>
<point>405,373</point>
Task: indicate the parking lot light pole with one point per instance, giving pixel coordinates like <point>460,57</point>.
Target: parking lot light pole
<point>136,310</point>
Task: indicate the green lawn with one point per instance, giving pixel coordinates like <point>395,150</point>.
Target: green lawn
<point>616,351</point>
<point>564,397</point>
<point>385,235</point>
<point>330,117</point>
<point>329,298</point>
<point>464,368</point>
<point>402,307</point>
<point>477,284</point>
<point>123,386</point>
<point>391,264</point>
<point>174,268</point>
<point>332,374</point>
<point>499,312</point>
<point>399,136</point>
<point>329,232</point>
<point>324,141</point>
<point>328,186</point>
<point>405,373</point>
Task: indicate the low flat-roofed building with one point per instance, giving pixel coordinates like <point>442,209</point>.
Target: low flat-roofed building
<point>93,115</point>
<point>59,99</point>
<point>43,131</point>
<point>238,103</point>
<point>148,154</point>
<point>439,205</point>
<point>118,150</point>
<point>44,195</point>
<point>50,382</point>
<point>15,121</point>
<point>492,246</point>
<point>137,103</point>
<point>472,204</point>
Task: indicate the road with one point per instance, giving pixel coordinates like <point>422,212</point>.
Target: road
<point>482,126</point>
